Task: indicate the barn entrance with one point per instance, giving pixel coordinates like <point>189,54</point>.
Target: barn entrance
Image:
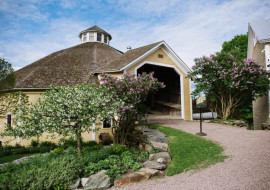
<point>167,100</point>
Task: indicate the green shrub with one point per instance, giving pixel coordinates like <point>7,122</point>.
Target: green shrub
<point>115,172</point>
<point>134,150</point>
<point>20,150</point>
<point>41,172</point>
<point>96,155</point>
<point>119,149</point>
<point>89,143</point>
<point>92,148</point>
<point>71,150</point>
<point>136,166</point>
<point>128,159</point>
<point>48,144</point>
<point>34,143</point>
<point>105,164</point>
<point>44,149</point>
<point>33,149</point>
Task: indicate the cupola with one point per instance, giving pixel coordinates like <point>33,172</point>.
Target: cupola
<point>95,34</point>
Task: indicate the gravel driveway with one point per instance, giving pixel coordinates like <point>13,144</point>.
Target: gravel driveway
<point>248,165</point>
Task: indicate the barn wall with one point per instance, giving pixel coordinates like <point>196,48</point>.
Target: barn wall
<point>261,105</point>
<point>33,97</point>
<point>167,61</point>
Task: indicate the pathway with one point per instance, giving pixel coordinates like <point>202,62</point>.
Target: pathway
<point>248,165</point>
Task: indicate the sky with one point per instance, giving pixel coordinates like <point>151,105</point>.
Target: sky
<point>32,29</point>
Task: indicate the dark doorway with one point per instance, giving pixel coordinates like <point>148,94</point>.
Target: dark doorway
<point>168,99</point>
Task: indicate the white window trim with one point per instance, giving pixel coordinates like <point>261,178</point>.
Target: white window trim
<point>107,128</point>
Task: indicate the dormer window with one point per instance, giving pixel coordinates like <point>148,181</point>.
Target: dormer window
<point>99,37</point>
<point>84,37</point>
<point>91,36</point>
<point>95,34</point>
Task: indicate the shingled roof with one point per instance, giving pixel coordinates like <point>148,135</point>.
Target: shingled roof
<point>126,58</point>
<point>76,65</point>
<point>70,66</point>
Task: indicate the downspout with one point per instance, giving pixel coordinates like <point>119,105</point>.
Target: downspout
<point>267,63</point>
<point>20,112</point>
<point>94,132</point>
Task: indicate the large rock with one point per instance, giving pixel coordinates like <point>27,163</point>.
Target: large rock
<point>84,181</point>
<point>149,148</point>
<point>161,160</point>
<point>152,172</point>
<point>154,165</point>
<point>164,155</point>
<point>131,178</point>
<point>98,181</point>
<point>155,135</point>
<point>239,123</point>
<point>160,146</point>
<point>75,184</point>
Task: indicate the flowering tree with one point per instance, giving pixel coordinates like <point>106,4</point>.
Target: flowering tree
<point>127,95</point>
<point>228,83</point>
<point>66,111</point>
<point>7,77</point>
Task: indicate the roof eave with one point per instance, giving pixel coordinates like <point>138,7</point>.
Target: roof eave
<point>185,68</point>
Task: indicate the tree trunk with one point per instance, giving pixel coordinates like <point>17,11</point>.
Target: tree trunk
<point>79,142</point>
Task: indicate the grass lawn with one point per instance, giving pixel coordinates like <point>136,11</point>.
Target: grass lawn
<point>10,158</point>
<point>189,151</point>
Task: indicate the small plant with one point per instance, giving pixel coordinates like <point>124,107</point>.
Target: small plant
<point>119,149</point>
<point>154,150</point>
<point>136,166</point>
<point>128,159</point>
<point>115,172</point>
<point>58,150</point>
<point>144,155</point>
<point>60,187</point>
<point>134,150</point>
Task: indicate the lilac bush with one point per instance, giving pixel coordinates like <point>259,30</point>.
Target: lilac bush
<point>127,95</point>
<point>229,83</point>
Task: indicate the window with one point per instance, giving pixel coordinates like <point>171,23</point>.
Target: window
<point>1,143</point>
<point>84,37</point>
<point>91,36</point>
<point>107,124</point>
<point>160,56</point>
<point>9,119</point>
<point>99,37</point>
<point>105,39</point>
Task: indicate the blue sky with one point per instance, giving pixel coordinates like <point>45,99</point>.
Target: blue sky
<point>33,29</point>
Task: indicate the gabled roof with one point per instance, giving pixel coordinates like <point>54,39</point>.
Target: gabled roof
<point>95,29</point>
<point>126,58</point>
<point>261,30</point>
<point>133,56</point>
<point>69,67</point>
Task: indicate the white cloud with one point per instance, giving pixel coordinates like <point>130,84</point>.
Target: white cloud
<point>191,28</point>
<point>202,32</point>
